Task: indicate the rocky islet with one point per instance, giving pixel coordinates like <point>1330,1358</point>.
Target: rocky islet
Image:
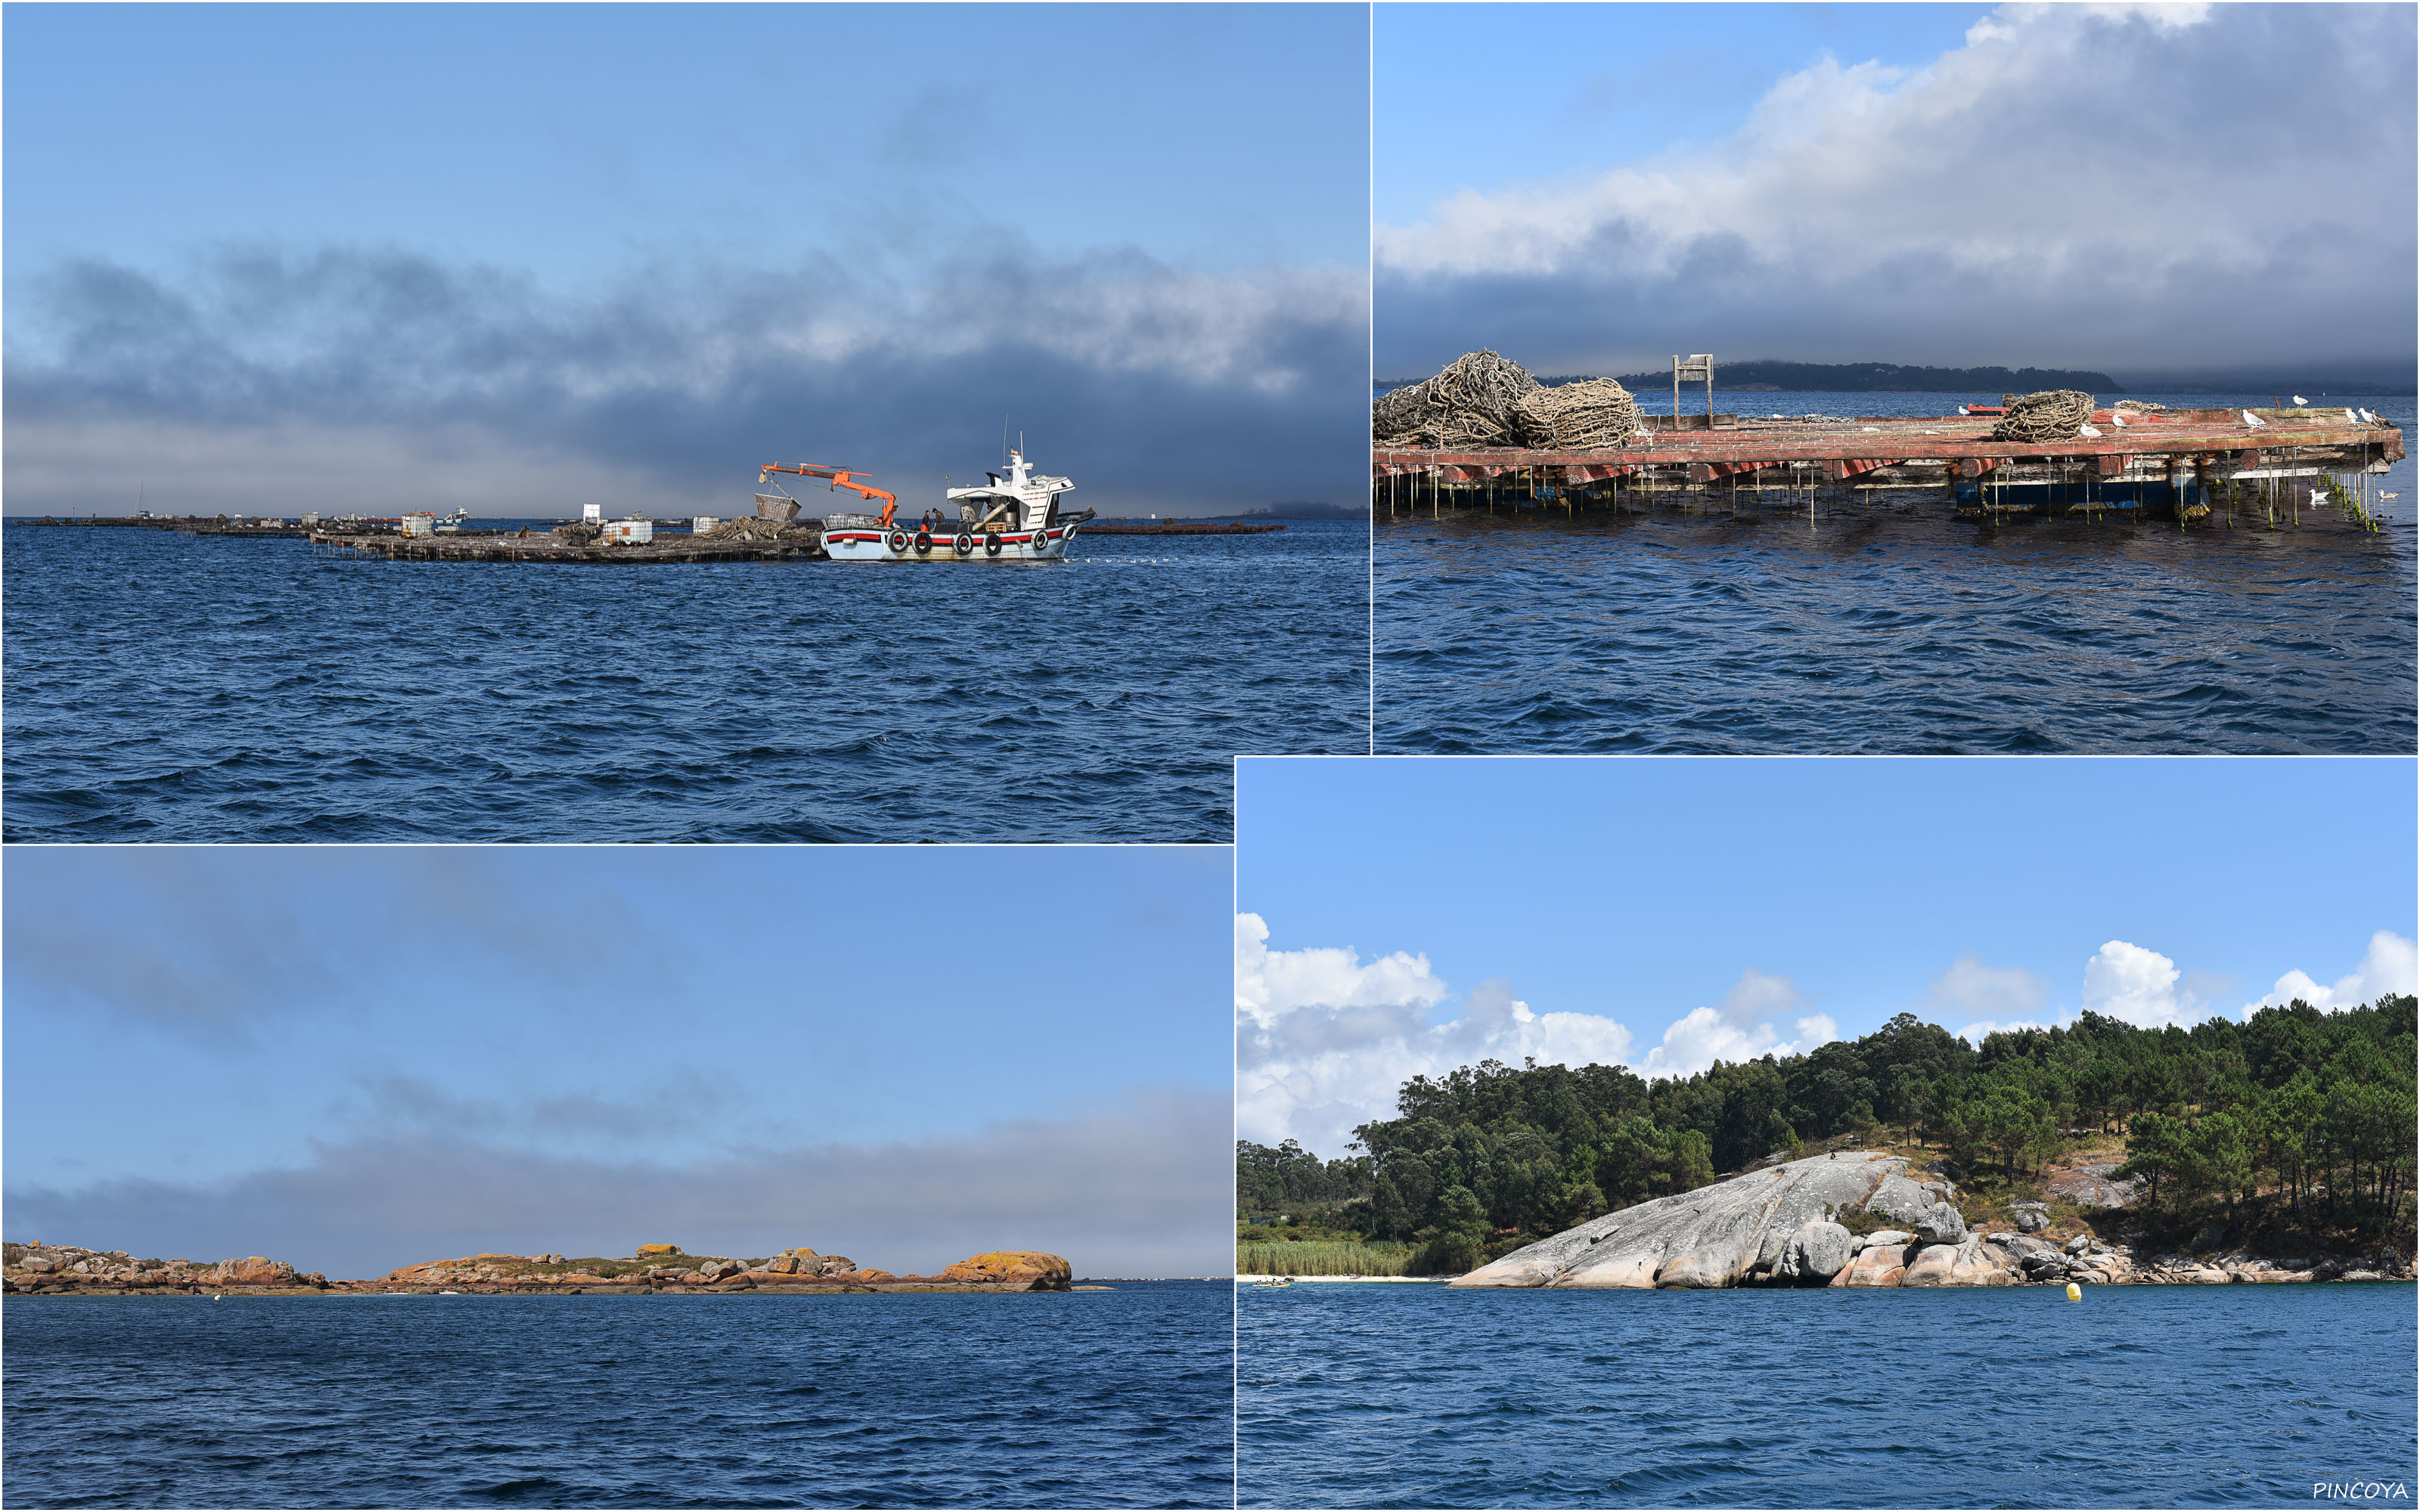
<point>39,1269</point>
<point>1784,1225</point>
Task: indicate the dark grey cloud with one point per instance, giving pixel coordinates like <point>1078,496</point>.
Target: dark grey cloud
<point>211,942</point>
<point>268,374</point>
<point>1144,1187</point>
<point>2173,188</point>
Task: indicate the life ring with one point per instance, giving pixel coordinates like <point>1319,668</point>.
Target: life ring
<point>1041,539</point>
<point>898,540</point>
<point>991,544</point>
<point>964,545</point>
<point>923,543</point>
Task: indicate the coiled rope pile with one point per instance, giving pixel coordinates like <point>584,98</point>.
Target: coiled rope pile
<point>2144,404</point>
<point>1485,400</point>
<point>2051,415</point>
<point>1592,412</point>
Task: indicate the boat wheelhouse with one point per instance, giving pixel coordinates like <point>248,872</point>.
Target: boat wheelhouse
<point>1016,517</point>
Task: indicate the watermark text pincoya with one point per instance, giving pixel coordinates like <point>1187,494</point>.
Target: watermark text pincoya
<point>2360,1490</point>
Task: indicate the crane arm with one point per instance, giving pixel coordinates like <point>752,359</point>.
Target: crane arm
<point>837,477</point>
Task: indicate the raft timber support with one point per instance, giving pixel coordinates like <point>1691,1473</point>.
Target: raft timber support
<point>2183,463</point>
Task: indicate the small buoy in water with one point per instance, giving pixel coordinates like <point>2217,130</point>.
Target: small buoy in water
<point>2074,1293</point>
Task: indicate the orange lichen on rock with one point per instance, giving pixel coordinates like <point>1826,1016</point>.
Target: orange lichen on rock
<point>1034,1270</point>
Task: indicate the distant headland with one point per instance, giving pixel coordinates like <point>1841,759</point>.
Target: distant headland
<point>1882,377</point>
<point>37,1268</point>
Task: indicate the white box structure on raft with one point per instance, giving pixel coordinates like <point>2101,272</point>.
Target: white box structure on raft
<point>630,531</point>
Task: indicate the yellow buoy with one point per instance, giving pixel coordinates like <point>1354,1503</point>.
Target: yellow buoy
<point>2074,1293</point>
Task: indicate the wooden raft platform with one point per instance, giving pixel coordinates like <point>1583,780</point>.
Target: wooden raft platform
<point>537,547</point>
<point>2180,457</point>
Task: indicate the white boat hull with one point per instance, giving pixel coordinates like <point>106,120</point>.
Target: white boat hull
<point>902,545</point>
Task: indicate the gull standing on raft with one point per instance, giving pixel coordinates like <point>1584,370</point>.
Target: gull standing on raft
<point>2117,417</point>
<point>2299,399</point>
<point>2086,430</point>
<point>2254,422</point>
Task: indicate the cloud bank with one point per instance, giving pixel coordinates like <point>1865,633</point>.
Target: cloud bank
<point>2119,186</point>
<point>371,379</point>
<point>2390,964</point>
<point>1141,1187</point>
<point>1324,1041</point>
<point>1739,1029</point>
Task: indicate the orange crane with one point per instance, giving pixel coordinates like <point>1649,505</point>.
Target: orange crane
<point>839,478</point>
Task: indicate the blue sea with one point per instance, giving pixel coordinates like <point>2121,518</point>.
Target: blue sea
<point>168,688</point>
<point>1887,624</point>
<point>1074,1399</point>
<point>1402,1396</point>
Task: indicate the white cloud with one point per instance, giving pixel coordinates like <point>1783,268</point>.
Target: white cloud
<point>1740,1028</point>
<point>1970,986</point>
<point>1846,210</point>
<point>2389,966</point>
<point>2140,987</point>
<point>1325,1040</point>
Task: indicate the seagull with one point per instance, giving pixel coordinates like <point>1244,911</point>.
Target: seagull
<point>1961,408</point>
<point>2086,430</point>
<point>2354,418</point>
<point>2299,399</point>
<point>2117,417</point>
<point>2254,421</point>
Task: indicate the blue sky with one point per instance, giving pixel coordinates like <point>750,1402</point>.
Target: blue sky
<point>635,246</point>
<point>1954,185</point>
<point>356,1058</point>
<point>1418,914</point>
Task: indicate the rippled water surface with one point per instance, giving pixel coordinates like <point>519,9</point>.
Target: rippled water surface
<point>162,687</point>
<point>1894,626</point>
<point>1115,1399</point>
<point>2150,1397</point>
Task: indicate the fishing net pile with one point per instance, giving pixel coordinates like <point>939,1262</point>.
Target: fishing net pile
<point>2144,404</point>
<point>1483,399</point>
<point>747,529</point>
<point>1475,402</point>
<point>2051,415</point>
<point>1591,412</point>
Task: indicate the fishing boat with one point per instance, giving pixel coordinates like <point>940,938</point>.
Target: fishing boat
<point>1013,517</point>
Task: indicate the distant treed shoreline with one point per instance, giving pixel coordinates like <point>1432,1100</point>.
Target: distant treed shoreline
<point>2293,1128</point>
<point>1893,377</point>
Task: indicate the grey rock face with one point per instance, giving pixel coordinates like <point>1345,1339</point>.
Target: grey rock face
<point>1713,1236</point>
<point>1889,1237</point>
<point>2078,1244</point>
<point>1941,1225</point>
<point>2032,1220</point>
<point>1817,1252</point>
<point>1898,1198</point>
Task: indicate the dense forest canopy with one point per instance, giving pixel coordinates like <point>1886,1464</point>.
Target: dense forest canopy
<point>2294,1124</point>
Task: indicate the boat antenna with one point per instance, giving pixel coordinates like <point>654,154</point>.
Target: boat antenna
<point>1003,438</point>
